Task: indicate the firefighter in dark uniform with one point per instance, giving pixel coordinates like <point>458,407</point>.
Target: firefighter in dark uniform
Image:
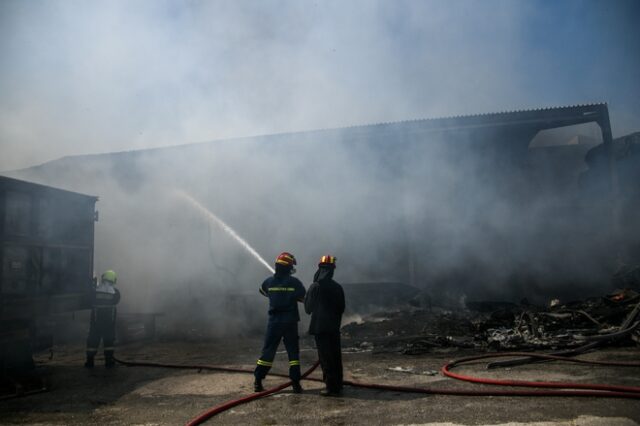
<point>103,320</point>
<point>284,293</point>
<point>325,302</point>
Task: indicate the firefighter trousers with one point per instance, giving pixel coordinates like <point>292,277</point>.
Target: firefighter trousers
<point>102,327</point>
<point>329,352</point>
<point>288,333</point>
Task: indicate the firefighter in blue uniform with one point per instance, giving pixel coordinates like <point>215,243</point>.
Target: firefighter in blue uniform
<point>103,320</point>
<point>284,293</point>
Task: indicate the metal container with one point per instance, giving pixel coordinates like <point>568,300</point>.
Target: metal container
<point>46,253</point>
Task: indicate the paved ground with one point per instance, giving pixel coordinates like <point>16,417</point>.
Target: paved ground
<point>155,396</point>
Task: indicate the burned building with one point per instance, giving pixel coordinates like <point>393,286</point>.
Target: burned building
<point>457,207</point>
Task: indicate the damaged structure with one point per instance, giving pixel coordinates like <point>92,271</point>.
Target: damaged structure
<point>454,207</point>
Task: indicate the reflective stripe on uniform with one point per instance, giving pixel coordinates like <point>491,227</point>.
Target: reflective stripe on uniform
<point>264,363</point>
<point>294,362</point>
<point>282,289</point>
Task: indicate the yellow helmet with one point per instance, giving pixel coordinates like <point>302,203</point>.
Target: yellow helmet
<point>109,276</point>
<point>328,261</point>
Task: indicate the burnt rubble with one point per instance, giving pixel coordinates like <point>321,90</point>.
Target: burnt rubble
<point>501,326</point>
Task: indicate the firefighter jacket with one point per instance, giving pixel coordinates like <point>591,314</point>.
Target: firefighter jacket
<point>106,297</point>
<point>284,292</point>
<point>325,302</point>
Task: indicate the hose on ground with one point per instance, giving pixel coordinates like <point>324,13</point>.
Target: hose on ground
<point>207,414</point>
<point>596,341</point>
<point>563,389</point>
<point>633,391</point>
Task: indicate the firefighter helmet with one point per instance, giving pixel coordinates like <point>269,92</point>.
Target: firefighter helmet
<point>328,260</point>
<point>109,276</point>
<point>286,259</point>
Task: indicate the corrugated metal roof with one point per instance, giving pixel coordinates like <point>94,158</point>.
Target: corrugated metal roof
<point>544,116</point>
<point>486,114</point>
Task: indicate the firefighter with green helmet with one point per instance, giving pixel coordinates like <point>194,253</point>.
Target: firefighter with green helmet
<point>103,320</point>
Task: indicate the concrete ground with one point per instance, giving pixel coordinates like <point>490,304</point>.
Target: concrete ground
<point>156,396</point>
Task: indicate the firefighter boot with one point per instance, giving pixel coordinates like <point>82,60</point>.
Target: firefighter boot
<point>109,360</point>
<point>257,385</point>
<point>89,362</point>
<point>296,387</point>
<point>327,392</point>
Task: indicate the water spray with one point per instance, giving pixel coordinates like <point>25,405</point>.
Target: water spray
<point>226,228</point>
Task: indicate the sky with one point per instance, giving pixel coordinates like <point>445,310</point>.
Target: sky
<point>82,77</point>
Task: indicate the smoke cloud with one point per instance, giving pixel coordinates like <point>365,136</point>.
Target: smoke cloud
<point>108,76</point>
<point>82,78</point>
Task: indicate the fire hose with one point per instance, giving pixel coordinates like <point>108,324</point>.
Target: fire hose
<point>548,388</point>
<point>204,416</point>
<point>624,330</point>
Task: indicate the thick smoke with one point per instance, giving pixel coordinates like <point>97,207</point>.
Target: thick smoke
<point>431,211</point>
<point>107,77</point>
<point>84,77</point>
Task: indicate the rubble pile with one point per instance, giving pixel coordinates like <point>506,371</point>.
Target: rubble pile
<point>501,326</point>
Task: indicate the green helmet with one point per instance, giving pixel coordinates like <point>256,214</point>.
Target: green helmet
<point>110,276</point>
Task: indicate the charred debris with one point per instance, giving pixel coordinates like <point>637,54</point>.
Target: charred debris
<point>421,326</point>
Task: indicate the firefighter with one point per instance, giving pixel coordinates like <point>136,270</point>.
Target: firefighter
<point>325,302</point>
<point>103,320</point>
<point>284,292</point>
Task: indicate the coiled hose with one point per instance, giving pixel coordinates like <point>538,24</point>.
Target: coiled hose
<point>548,388</point>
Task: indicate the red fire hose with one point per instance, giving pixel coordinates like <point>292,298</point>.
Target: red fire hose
<point>632,390</point>
<point>569,388</point>
<point>204,416</point>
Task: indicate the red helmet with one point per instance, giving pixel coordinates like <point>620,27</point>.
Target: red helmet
<point>286,259</point>
<point>327,260</point>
